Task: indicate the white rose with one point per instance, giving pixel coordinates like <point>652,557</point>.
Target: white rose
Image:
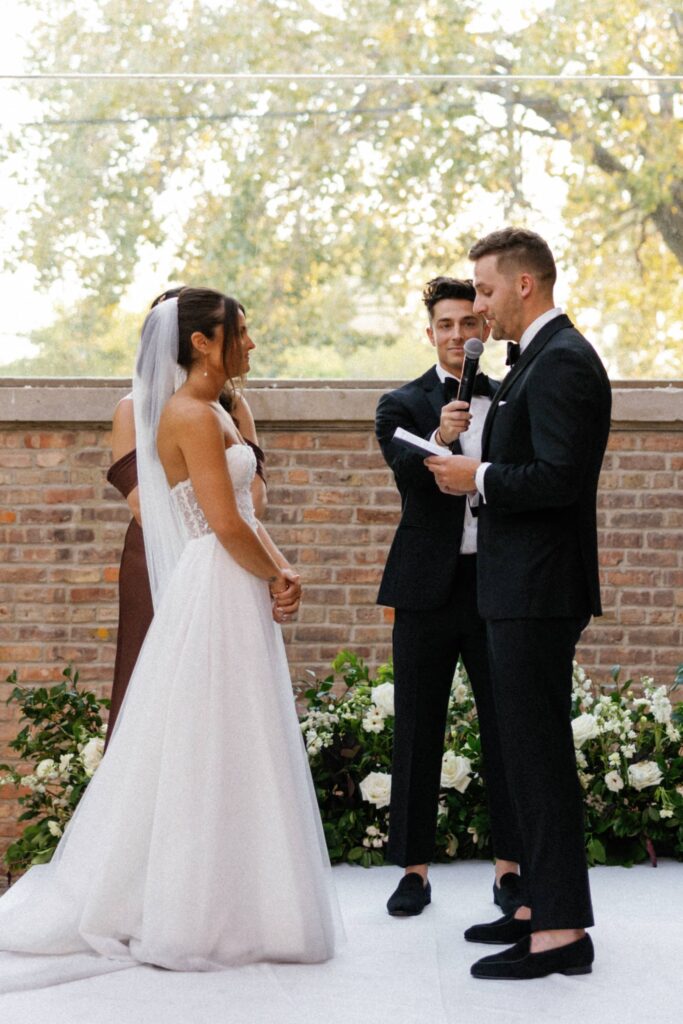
<point>65,764</point>
<point>644,774</point>
<point>661,706</point>
<point>45,768</point>
<point>383,697</point>
<point>54,829</point>
<point>460,693</point>
<point>614,781</point>
<point>585,727</point>
<point>455,771</point>
<point>91,754</point>
<point>376,788</point>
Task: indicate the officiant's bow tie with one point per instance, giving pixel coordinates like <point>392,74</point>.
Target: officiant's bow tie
<point>451,385</point>
<point>514,353</point>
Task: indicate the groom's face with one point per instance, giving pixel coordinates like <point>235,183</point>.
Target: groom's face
<point>453,323</point>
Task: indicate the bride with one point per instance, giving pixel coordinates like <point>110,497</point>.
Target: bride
<point>198,843</point>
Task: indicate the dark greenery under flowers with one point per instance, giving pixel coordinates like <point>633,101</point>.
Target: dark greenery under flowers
<point>627,738</point>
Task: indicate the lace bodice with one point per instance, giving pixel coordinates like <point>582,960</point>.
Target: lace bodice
<point>242,467</point>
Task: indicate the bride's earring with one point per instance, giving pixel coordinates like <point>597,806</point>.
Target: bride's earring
<point>206,362</point>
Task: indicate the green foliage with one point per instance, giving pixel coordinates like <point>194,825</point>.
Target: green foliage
<point>631,769</point>
<point>317,202</point>
<point>627,739</point>
<point>633,732</point>
<point>63,741</point>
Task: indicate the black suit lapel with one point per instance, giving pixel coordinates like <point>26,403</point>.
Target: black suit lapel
<point>536,345</point>
<point>431,387</point>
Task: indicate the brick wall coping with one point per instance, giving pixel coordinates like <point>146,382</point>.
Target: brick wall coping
<point>92,400</point>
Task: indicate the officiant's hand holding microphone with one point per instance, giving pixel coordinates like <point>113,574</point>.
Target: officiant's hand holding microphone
<point>454,474</point>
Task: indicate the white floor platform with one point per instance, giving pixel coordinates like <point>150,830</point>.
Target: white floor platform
<point>411,970</point>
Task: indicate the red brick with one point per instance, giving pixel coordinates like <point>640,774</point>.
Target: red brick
<point>648,462</point>
<point>294,441</point>
<point>15,459</point>
<point>20,652</point>
<point>664,442</point>
<point>365,575</point>
<point>68,495</point>
<point>81,595</point>
<point>42,515</point>
<point>59,439</point>
<point>50,459</point>
<point>327,515</point>
<point>376,515</point>
<point>345,442</point>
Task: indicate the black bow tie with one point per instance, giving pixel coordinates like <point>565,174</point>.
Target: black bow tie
<point>451,385</point>
<point>514,353</point>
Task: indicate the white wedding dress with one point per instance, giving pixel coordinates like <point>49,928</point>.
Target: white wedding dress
<point>198,843</point>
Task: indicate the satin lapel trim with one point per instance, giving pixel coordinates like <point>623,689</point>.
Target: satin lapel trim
<point>433,393</point>
<point>528,355</point>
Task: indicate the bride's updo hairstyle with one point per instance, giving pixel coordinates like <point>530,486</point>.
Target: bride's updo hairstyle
<point>203,309</point>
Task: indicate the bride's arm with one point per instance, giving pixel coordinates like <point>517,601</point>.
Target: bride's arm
<point>245,424</point>
<point>200,439</point>
<point>286,602</point>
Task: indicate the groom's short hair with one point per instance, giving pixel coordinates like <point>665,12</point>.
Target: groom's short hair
<point>446,288</point>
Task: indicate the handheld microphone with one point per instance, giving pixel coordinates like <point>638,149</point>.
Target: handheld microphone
<point>473,350</point>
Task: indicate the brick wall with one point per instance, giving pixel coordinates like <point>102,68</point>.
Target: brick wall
<point>333,508</point>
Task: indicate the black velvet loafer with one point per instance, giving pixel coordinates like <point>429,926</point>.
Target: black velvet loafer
<point>520,964</point>
<point>508,893</point>
<point>502,932</point>
<point>411,896</point>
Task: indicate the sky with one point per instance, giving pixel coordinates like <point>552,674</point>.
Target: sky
<point>26,306</point>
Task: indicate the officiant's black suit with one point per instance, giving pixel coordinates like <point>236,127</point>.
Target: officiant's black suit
<point>433,589</point>
<point>545,437</point>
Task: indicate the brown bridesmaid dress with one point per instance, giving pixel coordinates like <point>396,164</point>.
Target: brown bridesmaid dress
<point>135,598</point>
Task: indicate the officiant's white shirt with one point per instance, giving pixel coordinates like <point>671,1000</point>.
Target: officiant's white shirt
<point>470,443</point>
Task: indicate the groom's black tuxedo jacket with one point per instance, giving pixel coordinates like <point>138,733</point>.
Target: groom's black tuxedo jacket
<point>545,436</point>
<point>421,564</point>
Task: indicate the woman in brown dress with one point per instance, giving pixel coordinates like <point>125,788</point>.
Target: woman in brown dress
<point>135,599</point>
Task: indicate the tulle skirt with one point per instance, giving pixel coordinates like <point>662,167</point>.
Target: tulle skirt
<point>198,843</point>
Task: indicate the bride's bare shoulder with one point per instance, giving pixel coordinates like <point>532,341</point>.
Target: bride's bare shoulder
<point>183,412</point>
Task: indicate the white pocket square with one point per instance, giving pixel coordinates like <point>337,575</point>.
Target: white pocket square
<point>502,403</point>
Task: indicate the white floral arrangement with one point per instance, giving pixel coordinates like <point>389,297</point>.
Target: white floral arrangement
<point>628,751</point>
<point>348,734</point>
<point>64,741</point>
<point>630,762</point>
<point>627,738</point>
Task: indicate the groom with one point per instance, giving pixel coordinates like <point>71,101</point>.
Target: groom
<point>542,449</point>
<point>430,579</point>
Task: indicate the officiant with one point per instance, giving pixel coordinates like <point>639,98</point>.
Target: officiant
<point>430,581</point>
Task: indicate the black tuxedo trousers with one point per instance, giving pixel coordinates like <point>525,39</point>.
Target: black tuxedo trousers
<point>426,645</point>
<point>531,668</point>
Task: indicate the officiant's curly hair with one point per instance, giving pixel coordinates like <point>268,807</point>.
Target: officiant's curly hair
<point>446,288</point>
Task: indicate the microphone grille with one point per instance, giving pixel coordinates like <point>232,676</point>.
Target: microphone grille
<point>473,348</point>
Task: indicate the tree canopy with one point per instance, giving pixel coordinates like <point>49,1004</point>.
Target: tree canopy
<point>325,205</point>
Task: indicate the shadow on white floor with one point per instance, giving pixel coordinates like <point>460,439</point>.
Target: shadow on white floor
<point>411,970</point>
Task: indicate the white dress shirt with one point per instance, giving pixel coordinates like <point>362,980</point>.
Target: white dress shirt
<point>528,336</point>
<point>470,443</point>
